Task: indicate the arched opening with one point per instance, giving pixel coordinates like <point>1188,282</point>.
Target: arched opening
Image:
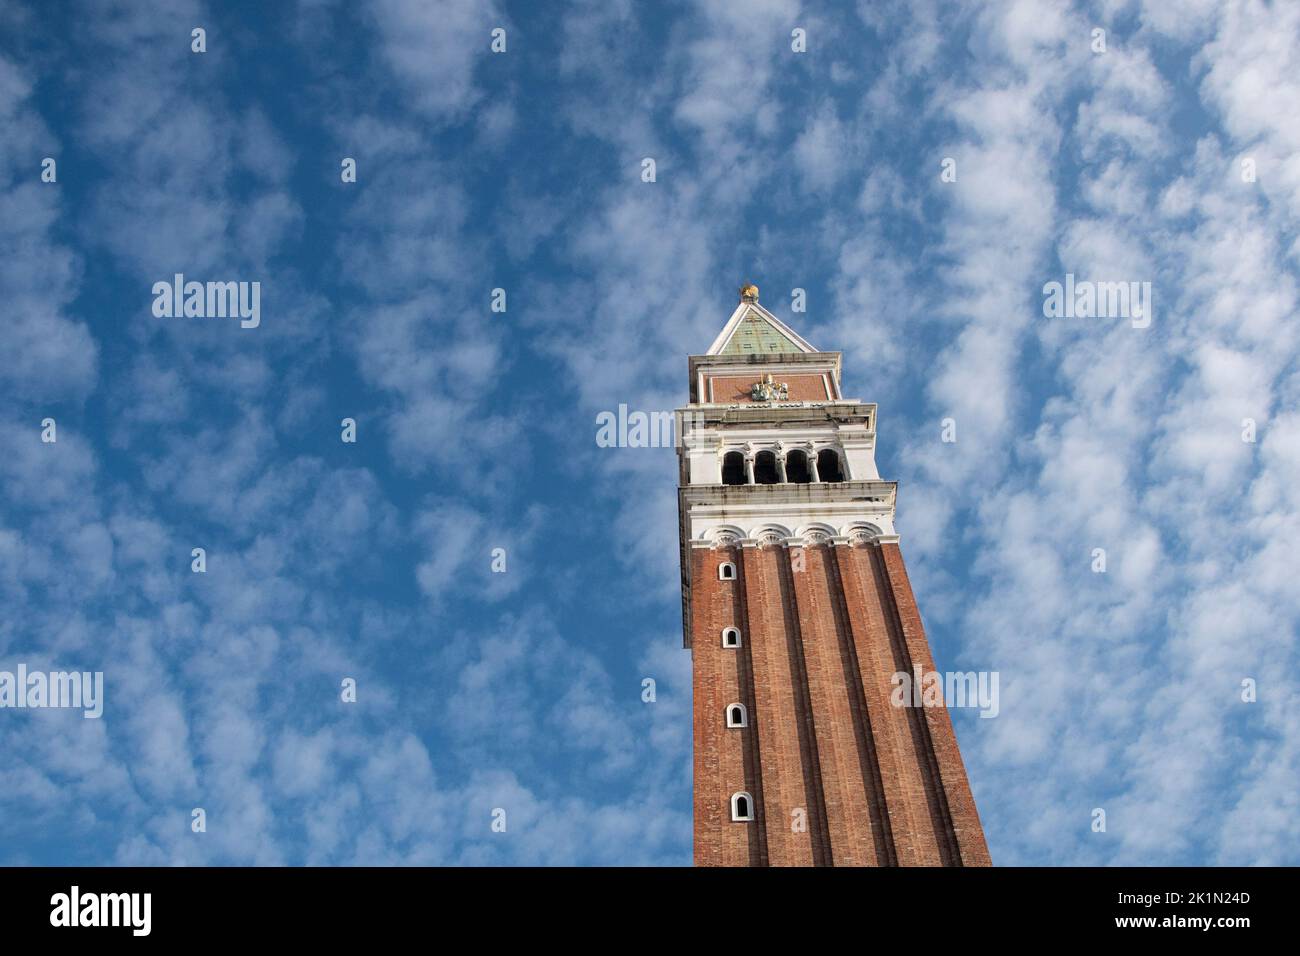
<point>726,571</point>
<point>730,637</point>
<point>828,465</point>
<point>796,468</point>
<point>733,468</point>
<point>765,468</point>
<point>736,716</point>
<point>742,807</point>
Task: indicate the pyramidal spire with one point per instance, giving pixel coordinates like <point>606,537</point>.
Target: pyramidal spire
<point>753,330</point>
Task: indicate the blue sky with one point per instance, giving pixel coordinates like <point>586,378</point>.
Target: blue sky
<point>476,430</point>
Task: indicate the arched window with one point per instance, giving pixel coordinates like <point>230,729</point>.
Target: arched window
<point>731,637</point>
<point>828,465</point>
<point>733,468</point>
<point>742,807</point>
<point>726,571</point>
<point>765,468</point>
<point>796,467</point>
<point>736,716</point>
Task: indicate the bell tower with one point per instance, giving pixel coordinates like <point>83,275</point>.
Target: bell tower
<point>798,612</point>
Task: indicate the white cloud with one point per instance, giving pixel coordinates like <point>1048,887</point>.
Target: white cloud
<point>435,49</point>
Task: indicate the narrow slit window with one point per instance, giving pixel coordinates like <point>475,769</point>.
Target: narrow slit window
<point>736,716</point>
<point>742,807</point>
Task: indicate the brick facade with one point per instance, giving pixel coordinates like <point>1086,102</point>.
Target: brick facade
<point>736,388</point>
<point>878,785</point>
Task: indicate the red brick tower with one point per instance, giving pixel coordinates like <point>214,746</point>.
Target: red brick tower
<point>798,612</point>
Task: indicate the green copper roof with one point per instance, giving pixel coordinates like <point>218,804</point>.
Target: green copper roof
<point>756,334</point>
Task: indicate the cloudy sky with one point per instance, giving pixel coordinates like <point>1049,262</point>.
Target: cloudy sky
<point>1171,157</point>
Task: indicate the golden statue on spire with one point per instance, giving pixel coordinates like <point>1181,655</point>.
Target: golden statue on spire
<point>749,292</point>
